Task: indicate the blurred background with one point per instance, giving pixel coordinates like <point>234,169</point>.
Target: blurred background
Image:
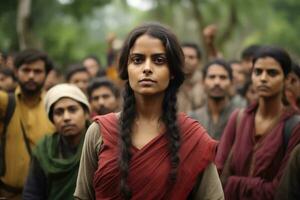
<point>71,29</point>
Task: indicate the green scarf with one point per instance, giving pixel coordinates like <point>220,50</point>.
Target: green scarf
<point>61,173</point>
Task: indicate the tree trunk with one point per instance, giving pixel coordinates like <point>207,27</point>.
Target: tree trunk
<point>23,14</point>
<point>232,22</point>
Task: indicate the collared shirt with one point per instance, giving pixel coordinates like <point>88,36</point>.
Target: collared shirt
<point>36,125</point>
<point>203,115</point>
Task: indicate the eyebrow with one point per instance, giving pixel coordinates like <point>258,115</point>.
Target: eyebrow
<point>140,54</point>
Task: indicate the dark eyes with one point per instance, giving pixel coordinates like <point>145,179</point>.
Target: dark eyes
<point>159,60</point>
<point>156,59</point>
<point>60,111</point>
<point>270,72</point>
<point>136,59</point>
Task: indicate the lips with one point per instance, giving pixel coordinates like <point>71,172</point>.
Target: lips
<point>263,87</point>
<point>68,127</point>
<point>147,81</point>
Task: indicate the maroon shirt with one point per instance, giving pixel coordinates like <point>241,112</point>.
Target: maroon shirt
<point>257,164</point>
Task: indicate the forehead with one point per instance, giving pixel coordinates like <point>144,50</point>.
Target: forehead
<point>147,44</point>
<point>65,102</point>
<point>216,69</point>
<point>90,62</point>
<point>267,63</point>
<point>189,51</point>
<point>80,75</point>
<point>35,65</point>
<point>102,90</point>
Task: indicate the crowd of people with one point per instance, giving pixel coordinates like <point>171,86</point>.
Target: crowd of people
<point>169,126</point>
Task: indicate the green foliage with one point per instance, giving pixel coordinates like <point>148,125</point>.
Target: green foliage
<point>71,29</point>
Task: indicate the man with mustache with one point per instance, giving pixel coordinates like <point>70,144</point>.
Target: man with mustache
<point>217,82</point>
<point>104,96</point>
<point>28,122</point>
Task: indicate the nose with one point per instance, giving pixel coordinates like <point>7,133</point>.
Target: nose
<point>217,81</point>
<point>101,101</point>
<point>147,67</point>
<point>31,74</point>
<point>66,116</point>
<point>264,76</point>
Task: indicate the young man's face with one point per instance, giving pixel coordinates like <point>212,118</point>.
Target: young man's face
<point>81,80</point>
<point>103,101</point>
<point>192,62</point>
<point>7,83</point>
<point>69,117</point>
<point>293,85</point>
<point>31,77</point>
<point>217,82</point>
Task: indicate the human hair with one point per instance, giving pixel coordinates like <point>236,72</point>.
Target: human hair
<point>175,60</point>
<point>31,55</point>
<point>278,54</point>
<point>93,57</point>
<point>220,62</point>
<point>8,72</point>
<point>73,69</point>
<point>102,82</point>
<point>248,52</point>
<point>296,68</point>
<point>194,46</point>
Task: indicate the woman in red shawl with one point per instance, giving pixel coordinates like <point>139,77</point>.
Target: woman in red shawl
<point>254,147</point>
<point>148,151</point>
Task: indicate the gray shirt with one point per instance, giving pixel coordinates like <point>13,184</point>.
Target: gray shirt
<point>203,115</point>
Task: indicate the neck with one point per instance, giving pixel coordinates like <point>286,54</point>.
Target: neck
<point>74,141</point>
<point>31,99</point>
<point>215,107</point>
<point>149,107</point>
<point>270,107</point>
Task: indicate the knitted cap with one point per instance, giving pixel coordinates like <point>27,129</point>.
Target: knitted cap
<point>64,90</point>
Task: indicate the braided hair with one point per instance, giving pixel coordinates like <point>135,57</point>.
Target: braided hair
<point>169,115</point>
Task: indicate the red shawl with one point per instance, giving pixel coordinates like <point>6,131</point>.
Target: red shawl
<point>150,166</point>
<point>267,160</point>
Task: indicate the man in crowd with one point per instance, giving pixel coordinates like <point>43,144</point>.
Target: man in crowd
<point>191,95</point>
<point>247,56</point>
<point>104,96</point>
<point>8,81</point>
<point>28,122</point>
<point>78,75</point>
<point>217,81</point>
<point>292,89</point>
<point>55,160</point>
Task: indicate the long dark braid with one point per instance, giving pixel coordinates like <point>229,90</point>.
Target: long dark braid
<point>169,117</point>
<point>126,123</point>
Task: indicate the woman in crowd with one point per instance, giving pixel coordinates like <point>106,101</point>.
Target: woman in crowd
<point>148,151</point>
<point>255,145</point>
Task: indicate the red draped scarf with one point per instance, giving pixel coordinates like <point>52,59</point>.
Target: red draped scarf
<point>150,166</point>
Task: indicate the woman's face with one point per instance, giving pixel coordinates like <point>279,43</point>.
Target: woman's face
<point>148,70</point>
<point>267,77</point>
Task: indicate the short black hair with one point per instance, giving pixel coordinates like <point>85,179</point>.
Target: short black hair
<point>278,54</point>
<point>296,68</point>
<point>102,82</point>
<point>8,72</point>
<point>194,46</point>
<point>220,62</point>
<point>249,52</point>
<point>31,55</point>
<point>73,69</point>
